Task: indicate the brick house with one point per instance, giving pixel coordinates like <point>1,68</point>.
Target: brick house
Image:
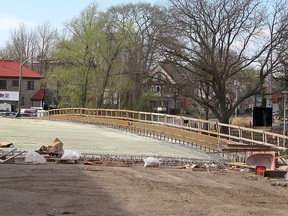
<point>32,95</point>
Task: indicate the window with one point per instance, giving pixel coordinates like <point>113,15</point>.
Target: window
<point>15,82</point>
<point>3,84</point>
<point>178,103</point>
<point>22,101</point>
<point>158,89</point>
<point>30,85</point>
<point>160,78</point>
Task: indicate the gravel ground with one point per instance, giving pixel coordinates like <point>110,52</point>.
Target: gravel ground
<point>83,190</point>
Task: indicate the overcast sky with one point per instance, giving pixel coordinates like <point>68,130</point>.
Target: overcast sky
<point>35,12</point>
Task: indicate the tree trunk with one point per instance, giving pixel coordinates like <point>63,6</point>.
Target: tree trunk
<point>225,119</point>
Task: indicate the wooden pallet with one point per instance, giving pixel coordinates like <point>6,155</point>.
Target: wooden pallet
<point>6,158</point>
<point>62,161</point>
<point>4,155</point>
<point>108,163</point>
<point>273,173</point>
<point>242,165</point>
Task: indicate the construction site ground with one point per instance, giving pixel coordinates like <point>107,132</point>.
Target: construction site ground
<point>76,189</point>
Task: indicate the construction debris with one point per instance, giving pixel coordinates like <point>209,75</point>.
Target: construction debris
<point>34,158</point>
<point>71,155</point>
<point>9,156</point>
<point>273,173</point>
<point>151,162</point>
<point>230,146</point>
<point>55,153</point>
<point>55,148</point>
<point>68,157</point>
<point>202,167</point>
<point>194,167</point>
<point>108,163</point>
<point>285,168</point>
<point>62,161</point>
<point>6,144</point>
<point>240,165</point>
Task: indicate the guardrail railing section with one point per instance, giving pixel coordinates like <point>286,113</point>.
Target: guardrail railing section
<point>233,133</point>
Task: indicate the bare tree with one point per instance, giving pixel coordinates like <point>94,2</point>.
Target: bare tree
<point>144,22</point>
<point>22,44</point>
<point>218,40</point>
<point>46,39</point>
<point>33,44</point>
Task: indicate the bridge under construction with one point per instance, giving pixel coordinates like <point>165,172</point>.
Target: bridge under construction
<point>237,144</point>
<point>140,134</point>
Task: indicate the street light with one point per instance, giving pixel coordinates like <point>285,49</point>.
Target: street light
<point>19,88</point>
<point>284,124</point>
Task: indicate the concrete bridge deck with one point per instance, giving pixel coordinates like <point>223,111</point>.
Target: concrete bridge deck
<point>31,134</point>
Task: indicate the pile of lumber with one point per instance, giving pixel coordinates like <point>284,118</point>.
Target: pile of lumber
<point>9,156</point>
<point>6,144</point>
<point>232,146</point>
<point>96,162</point>
<point>58,160</point>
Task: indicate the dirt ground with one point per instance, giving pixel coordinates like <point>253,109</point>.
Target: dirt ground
<point>76,189</point>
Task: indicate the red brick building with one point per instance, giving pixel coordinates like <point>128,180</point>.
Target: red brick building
<point>32,95</point>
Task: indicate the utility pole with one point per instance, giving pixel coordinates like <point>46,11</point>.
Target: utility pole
<point>237,84</point>
<point>284,124</point>
<point>19,88</point>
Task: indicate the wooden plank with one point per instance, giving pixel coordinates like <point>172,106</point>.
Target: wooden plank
<point>118,164</point>
<point>108,163</point>
<point>246,145</point>
<point>67,161</point>
<point>93,162</point>
<point>6,144</point>
<point>273,173</point>
<point>11,159</point>
<point>248,150</point>
<point>237,164</point>
<point>3,156</point>
<point>62,161</point>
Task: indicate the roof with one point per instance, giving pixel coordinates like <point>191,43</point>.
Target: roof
<point>176,73</point>
<point>39,95</point>
<point>11,68</point>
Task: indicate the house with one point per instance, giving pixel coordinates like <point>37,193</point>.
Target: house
<point>32,95</point>
<point>165,83</point>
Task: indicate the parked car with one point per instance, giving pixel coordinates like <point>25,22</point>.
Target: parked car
<point>28,112</point>
<point>8,114</point>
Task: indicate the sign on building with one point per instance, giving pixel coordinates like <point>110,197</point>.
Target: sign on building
<point>9,95</point>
